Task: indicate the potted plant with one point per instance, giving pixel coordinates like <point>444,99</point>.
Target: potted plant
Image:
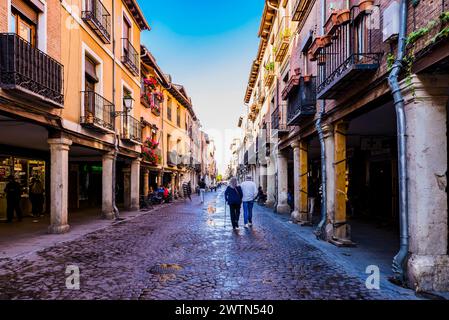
<point>269,66</point>
<point>343,16</point>
<point>366,5</point>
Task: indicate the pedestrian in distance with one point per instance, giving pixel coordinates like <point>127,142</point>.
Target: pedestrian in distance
<point>13,192</point>
<point>233,197</point>
<point>249,190</point>
<point>202,186</point>
<point>36,197</point>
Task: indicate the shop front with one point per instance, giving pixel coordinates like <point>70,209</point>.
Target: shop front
<point>24,169</point>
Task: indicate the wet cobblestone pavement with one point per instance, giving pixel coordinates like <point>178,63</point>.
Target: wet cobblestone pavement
<point>183,252</point>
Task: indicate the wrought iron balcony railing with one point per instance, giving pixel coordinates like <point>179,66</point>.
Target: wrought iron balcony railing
<point>25,68</point>
<point>349,57</point>
<point>302,101</point>
<point>130,57</point>
<point>279,121</point>
<point>98,112</point>
<point>172,158</point>
<point>131,128</point>
<point>98,18</point>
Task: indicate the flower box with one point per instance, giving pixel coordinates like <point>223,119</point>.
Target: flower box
<point>331,24</point>
<point>366,5</point>
<point>343,16</point>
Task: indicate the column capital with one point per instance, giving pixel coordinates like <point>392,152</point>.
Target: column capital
<point>280,154</point>
<point>425,87</point>
<point>136,161</point>
<point>328,130</point>
<point>296,144</point>
<point>109,156</point>
<point>62,143</point>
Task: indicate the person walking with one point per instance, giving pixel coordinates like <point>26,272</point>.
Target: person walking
<point>36,197</point>
<point>13,191</point>
<point>249,190</point>
<point>233,197</point>
<point>202,186</point>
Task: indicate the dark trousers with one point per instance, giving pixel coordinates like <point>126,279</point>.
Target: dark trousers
<point>235,214</point>
<point>11,206</point>
<point>37,204</point>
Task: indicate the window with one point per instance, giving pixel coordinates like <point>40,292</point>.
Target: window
<point>178,116</point>
<point>126,35</point>
<point>24,25</point>
<point>90,74</point>
<point>169,109</point>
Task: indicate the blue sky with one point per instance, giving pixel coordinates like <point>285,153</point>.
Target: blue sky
<point>207,46</point>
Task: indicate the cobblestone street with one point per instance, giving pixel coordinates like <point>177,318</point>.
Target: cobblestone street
<point>183,252</point>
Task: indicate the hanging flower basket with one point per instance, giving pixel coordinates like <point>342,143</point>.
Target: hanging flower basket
<point>149,151</point>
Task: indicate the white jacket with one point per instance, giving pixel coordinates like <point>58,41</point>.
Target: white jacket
<point>249,189</point>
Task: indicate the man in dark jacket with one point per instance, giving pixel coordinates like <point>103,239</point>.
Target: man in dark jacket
<point>233,197</point>
<point>13,192</point>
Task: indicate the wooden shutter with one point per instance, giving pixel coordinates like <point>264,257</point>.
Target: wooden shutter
<point>91,69</point>
<point>26,9</point>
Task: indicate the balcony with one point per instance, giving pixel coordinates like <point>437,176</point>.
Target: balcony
<point>30,72</point>
<point>301,101</point>
<point>300,9</point>
<point>98,18</point>
<point>172,158</point>
<point>131,129</point>
<point>279,121</point>
<point>283,38</point>
<point>98,112</point>
<point>130,57</point>
<point>348,59</point>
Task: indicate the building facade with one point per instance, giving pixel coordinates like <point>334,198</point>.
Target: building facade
<point>342,132</point>
<point>85,107</point>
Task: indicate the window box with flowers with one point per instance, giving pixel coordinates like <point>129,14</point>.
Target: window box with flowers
<point>148,86</point>
<point>156,102</point>
<point>150,152</point>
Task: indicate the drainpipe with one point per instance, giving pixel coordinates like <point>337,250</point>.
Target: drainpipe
<point>399,261</point>
<point>116,140</point>
<point>320,230</point>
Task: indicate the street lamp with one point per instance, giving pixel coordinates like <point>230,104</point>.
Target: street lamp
<point>128,102</point>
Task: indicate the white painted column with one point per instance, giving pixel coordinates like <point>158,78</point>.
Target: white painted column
<point>296,191</point>
<point>135,184</point>
<point>271,171</point>
<point>263,177</point>
<point>329,143</point>
<point>59,184</point>
<point>282,205</point>
<point>107,206</point>
<point>426,99</point>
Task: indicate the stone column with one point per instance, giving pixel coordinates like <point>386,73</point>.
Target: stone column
<point>426,99</point>
<point>59,184</point>
<point>342,230</point>
<point>271,170</point>
<point>282,205</point>
<point>330,175</point>
<point>296,190</point>
<point>146,182</point>
<point>135,184</point>
<point>107,206</point>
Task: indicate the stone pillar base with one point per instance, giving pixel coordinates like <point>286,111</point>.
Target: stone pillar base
<point>108,215</point>
<point>283,208</point>
<point>295,216</point>
<point>342,236</point>
<point>53,229</point>
<point>428,273</point>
